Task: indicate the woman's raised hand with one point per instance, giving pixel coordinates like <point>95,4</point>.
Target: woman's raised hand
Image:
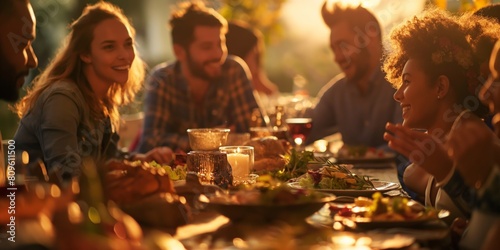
<point>421,148</point>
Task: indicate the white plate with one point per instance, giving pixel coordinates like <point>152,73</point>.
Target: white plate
<point>368,223</point>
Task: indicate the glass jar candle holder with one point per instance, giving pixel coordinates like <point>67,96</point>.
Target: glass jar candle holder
<point>241,159</point>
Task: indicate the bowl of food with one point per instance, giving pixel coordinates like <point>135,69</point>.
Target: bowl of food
<point>207,139</point>
<point>262,205</point>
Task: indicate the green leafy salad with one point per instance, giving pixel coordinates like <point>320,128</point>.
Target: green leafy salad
<point>296,165</point>
<point>176,173</point>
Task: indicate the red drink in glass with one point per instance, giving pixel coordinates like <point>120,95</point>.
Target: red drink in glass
<point>299,129</point>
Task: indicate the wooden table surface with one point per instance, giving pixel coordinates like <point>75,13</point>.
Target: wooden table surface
<point>210,230</point>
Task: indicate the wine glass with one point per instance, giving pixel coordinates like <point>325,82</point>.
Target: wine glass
<point>299,129</point>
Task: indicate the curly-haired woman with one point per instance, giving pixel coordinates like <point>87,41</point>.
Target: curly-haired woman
<point>71,111</point>
<point>435,69</point>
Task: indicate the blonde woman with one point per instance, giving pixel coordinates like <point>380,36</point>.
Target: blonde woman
<point>71,110</point>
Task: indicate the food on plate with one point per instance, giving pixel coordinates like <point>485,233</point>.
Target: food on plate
<point>334,176</point>
<point>140,186</point>
<point>381,208</point>
<point>355,151</point>
<point>294,165</point>
<point>268,153</point>
<point>266,200</point>
<point>164,211</point>
<point>267,191</point>
<point>176,173</point>
<point>130,181</point>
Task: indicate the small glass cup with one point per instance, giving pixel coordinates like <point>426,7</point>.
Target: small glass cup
<point>210,167</point>
<point>241,159</point>
<point>207,139</point>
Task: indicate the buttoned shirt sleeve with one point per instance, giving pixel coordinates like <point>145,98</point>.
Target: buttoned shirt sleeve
<point>242,99</point>
<point>169,108</point>
<point>157,130</point>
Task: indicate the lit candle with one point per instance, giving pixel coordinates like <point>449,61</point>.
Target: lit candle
<point>240,163</point>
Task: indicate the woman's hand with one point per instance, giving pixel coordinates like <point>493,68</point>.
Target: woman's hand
<point>161,155</point>
<point>424,150</point>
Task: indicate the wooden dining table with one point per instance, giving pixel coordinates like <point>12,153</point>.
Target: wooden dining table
<point>211,230</point>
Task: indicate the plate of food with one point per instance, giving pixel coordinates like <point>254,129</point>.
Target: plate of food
<point>384,212</point>
<point>260,204</point>
<point>362,154</point>
<point>337,179</point>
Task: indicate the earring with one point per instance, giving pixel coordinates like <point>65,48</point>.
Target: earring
<point>439,97</point>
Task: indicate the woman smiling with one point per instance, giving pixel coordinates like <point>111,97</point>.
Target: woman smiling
<point>436,70</point>
<point>71,110</point>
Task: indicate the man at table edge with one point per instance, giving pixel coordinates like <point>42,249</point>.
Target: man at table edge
<point>359,101</point>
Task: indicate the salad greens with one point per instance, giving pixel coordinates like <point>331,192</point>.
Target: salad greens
<point>177,173</point>
<point>295,165</point>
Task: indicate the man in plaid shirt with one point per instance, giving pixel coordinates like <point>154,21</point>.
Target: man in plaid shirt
<point>204,88</point>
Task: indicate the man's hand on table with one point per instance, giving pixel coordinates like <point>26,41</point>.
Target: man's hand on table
<point>161,155</point>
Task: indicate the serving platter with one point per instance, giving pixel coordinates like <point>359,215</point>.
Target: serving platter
<point>256,213</point>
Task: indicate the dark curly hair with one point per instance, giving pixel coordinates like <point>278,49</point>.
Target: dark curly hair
<point>482,30</point>
<point>491,11</point>
<point>440,45</point>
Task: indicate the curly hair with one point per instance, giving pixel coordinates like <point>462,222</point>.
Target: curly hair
<point>490,11</point>
<point>440,45</point>
<point>482,31</point>
<point>68,65</point>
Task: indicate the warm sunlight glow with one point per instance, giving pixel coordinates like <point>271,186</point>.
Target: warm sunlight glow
<point>304,17</point>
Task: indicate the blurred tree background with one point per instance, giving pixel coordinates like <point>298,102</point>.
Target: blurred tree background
<point>296,37</point>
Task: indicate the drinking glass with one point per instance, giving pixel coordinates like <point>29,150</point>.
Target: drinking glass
<point>241,159</point>
<point>299,129</point>
<point>210,167</point>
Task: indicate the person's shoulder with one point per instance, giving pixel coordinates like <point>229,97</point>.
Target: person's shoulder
<point>66,93</point>
<point>336,83</point>
<point>162,72</point>
<point>163,68</point>
<point>65,87</point>
<point>234,62</point>
<point>234,66</point>
<point>467,116</point>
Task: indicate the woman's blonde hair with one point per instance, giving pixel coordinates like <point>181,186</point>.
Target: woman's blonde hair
<point>67,65</point>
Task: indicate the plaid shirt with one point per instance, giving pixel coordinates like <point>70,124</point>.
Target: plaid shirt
<point>170,109</point>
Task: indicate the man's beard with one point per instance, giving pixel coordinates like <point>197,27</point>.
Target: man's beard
<point>362,65</point>
<point>8,81</point>
<point>197,70</point>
